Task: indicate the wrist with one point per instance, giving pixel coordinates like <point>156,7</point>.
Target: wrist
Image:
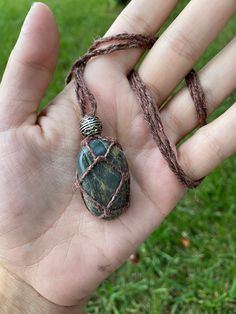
<point>17,297</point>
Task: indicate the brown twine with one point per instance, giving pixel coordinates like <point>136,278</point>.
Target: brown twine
<point>116,43</point>
<point>151,113</point>
<point>198,96</point>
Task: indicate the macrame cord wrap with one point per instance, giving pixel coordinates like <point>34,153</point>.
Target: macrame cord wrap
<point>88,107</point>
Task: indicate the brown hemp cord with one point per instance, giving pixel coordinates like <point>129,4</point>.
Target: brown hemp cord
<point>87,100</point>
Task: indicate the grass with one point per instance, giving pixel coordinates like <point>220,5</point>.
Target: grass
<point>188,265</point>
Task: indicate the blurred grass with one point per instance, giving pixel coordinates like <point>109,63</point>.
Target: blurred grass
<point>198,277</point>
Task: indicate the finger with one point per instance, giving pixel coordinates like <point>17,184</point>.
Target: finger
<point>29,69</point>
<point>218,80</point>
<point>182,43</point>
<point>139,17</point>
<point>210,145</point>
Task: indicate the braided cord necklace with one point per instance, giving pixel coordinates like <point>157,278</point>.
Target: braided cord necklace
<point>102,169</point>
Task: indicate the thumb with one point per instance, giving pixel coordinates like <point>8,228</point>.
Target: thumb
<point>29,69</point>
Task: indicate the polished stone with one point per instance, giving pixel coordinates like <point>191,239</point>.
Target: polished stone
<point>103,179</point>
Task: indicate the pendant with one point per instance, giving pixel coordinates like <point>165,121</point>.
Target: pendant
<point>102,171</point>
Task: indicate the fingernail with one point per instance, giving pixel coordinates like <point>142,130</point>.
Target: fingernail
<point>35,3</point>
<point>25,24</point>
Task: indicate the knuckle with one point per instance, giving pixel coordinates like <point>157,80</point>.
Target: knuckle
<point>32,64</point>
<point>136,23</point>
<point>173,124</point>
<point>212,143</point>
<point>181,45</point>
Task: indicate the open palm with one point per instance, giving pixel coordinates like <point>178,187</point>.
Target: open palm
<point>47,236</point>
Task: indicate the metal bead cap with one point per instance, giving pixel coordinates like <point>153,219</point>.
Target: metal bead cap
<point>90,125</point>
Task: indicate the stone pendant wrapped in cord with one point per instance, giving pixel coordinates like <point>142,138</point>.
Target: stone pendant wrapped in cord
<point>102,171</point>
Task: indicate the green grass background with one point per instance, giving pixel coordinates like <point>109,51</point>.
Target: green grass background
<point>170,278</point>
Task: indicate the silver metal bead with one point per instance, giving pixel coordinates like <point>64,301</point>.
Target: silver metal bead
<point>90,125</point>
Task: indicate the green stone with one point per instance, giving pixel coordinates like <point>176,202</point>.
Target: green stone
<point>103,179</point>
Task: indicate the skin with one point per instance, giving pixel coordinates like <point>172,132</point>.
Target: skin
<point>48,239</point>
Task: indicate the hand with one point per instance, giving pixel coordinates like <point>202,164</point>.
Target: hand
<point>47,236</point>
